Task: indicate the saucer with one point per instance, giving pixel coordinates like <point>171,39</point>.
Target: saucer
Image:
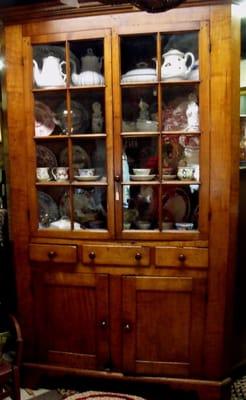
<point>142,177</point>
<point>87,178</point>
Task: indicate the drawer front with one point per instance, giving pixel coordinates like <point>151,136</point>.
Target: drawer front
<point>115,255</point>
<point>181,257</point>
<point>55,253</point>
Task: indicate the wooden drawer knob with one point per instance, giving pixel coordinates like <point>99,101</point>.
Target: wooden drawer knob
<point>52,255</point>
<point>127,327</point>
<point>92,255</point>
<point>103,323</point>
<point>138,256</point>
<point>182,257</point>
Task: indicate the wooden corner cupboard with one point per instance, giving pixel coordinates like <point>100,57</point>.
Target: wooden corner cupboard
<point>123,138</point>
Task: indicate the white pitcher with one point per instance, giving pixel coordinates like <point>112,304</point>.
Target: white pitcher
<point>176,65</point>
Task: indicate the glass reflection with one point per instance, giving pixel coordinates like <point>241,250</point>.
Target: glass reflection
<point>87,67</point>
<point>49,202</point>
<point>89,159</point>
<point>49,66</point>
<point>140,158</point>
<point>90,207</point>
<point>87,112</point>
<point>181,108</point>
<point>180,58</point>
<point>48,119</point>
<point>180,207</point>
<point>138,55</point>
<point>139,108</point>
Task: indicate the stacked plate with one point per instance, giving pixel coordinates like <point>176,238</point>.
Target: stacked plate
<point>140,75</point>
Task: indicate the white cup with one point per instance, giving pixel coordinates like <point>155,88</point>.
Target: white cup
<point>60,173</point>
<point>42,174</point>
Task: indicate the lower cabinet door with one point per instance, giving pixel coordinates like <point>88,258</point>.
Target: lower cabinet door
<point>71,319</point>
<point>163,325</point>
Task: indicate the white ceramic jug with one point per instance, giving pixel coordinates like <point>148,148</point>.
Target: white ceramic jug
<point>51,73</point>
<point>175,65</point>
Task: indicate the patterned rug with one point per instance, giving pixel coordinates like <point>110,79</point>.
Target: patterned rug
<point>93,395</point>
<point>238,389</point>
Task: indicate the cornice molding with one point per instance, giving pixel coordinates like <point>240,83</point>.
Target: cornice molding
<point>56,10</point>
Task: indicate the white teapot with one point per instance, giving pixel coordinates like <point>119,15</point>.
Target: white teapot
<point>175,65</point>
<point>90,62</point>
<point>51,73</point>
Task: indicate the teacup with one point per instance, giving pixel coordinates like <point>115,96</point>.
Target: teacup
<point>186,173</point>
<point>141,171</point>
<point>42,174</point>
<point>60,173</point>
<point>86,172</point>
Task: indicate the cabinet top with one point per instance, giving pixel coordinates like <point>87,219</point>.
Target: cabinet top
<point>55,10</point>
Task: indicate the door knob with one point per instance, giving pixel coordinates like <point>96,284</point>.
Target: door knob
<point>138,256</point>
<point>182,257</point>
<point>52,254</point>
<point>117,178</point>
<point>103,323</point>
<point>92,255</point>
<point>127,327</point>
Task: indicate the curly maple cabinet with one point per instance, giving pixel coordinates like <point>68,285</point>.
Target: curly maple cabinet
<point>123,159</point>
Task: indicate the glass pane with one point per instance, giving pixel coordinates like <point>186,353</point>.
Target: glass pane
<point>140,158</point>
<point>141,208</point>
<point>89,207</point>
<point>139,109</point>
<point>181,108</point>
<point>180,207</point>
<point>180,58</point>
<point>50,154</point>
<point>49,119</point>
<point>49,201</point>
<point>138,58</point>
<point>87,112</point>
<point>49,66</point>
<point>90,160</point>
<point>87,67</point>
<point>180,157</point>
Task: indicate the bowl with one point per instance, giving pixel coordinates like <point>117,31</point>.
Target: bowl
<point>184,226</point>
<point>167,225</point>
<point>127,225</point>
<point>143,224</point>
<point>86,171</point>
<point>141,171</point>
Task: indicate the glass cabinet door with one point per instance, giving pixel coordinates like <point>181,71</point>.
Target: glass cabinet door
<point>72,132</point>
<point>160,134</point>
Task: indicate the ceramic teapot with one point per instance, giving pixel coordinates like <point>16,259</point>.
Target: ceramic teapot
<point>90,62</point>
<point>51,73</point>
<point>175,64</point>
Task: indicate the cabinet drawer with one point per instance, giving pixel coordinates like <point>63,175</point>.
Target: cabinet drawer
<point>53,252</point>
<point>115,255</point>
<point>181,257</point>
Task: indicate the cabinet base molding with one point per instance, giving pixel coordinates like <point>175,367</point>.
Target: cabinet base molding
<point>204,389</point>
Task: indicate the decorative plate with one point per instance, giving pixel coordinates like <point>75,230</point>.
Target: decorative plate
<point>80,117</point>
<point>176,204</point>
<point>45,157</point>
<point>80,157</point>
<point>44,119</point>
<point>47,207</point>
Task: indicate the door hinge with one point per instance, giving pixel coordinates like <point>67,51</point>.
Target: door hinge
<point>210,47</point>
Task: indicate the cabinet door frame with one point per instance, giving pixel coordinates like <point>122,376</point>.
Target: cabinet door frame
<point>43,278</point>
<point>28,41</point>
<point>204,105</point>
<point>195,288</point>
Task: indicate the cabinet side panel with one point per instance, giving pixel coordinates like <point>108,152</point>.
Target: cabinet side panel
<point>224,187</point>
<point>18,189</point>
